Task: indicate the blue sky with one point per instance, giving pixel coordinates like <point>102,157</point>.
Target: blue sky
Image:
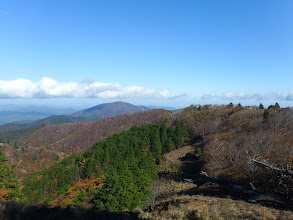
<point>151,52</point>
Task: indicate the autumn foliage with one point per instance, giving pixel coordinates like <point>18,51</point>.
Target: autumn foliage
<point>115,174</point>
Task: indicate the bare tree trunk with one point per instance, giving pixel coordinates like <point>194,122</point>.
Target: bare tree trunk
<point>252,193</point>
<point>284,171</point>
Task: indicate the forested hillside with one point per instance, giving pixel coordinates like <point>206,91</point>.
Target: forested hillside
<point>75,136</point>
<point>46,145</point>
<point>115,174</point>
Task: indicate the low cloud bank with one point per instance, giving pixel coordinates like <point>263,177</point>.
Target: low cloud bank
<point>242,96</point>
<point>50,88</point>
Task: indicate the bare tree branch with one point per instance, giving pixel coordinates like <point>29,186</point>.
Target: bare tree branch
<point>254,195</point>
<point>284,171</point>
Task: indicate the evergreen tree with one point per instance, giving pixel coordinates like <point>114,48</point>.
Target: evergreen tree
<point>261,106</point>
<point>180,133</point>
<point>89,167</point>
<point>277,106</point>
<point>266,114</point>
<point>164,139</point>
<point>107,197</point>
<point>156,145</point>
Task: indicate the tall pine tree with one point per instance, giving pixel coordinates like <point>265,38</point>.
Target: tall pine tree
<point>261,106</point>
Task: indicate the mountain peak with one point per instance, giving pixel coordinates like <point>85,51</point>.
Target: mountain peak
<point>109,109</point>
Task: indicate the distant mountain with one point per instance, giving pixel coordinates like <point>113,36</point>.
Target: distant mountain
<point>53,120</point>
<point>36,108</point>
<point>19,117</point>
<point>162,107</point>
<point>109,109</point>
<point>61,119</point>
<point>9,113</point>
<point>11,131</point>
<point>21,114</point>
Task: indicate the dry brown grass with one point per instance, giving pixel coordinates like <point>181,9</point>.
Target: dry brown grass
<point>204,207</point>
<point>166,187</point>
<point>172,165</point>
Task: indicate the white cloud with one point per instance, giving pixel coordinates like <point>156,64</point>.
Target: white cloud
<point>242,96</point>
<point>50,88</point>
<point>21,88</point>
<point>289,97</point>
<point>226,95</point>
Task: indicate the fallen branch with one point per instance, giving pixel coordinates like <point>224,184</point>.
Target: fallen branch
<point>264,197</point>
<point>252,193</point>
<point>208,179</point>
<point>284,171</point>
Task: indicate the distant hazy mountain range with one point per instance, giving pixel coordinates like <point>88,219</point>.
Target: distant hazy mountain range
<point>11,131</point>
<point>26,114</point>
<point>34,108</point>
<point>25,120</point>
<point>109,109</point>
<point>22,117</point>
<point>162,107</point>
<point>23,114</point>
<point>52,120</point>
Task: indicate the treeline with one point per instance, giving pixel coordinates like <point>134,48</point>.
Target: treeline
<point>115,174</point>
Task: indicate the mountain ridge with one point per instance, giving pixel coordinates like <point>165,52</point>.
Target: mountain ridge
<point>109,109</point>
<point>20,114</point>
<point>52,120</point>
<point>86,115</point>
